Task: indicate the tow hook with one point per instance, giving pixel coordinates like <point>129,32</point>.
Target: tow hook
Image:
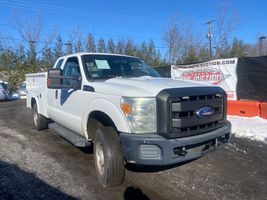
<point>180,151</point>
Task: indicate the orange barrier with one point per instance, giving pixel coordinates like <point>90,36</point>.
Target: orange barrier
<point>244,108</point>
<point>263,110</point>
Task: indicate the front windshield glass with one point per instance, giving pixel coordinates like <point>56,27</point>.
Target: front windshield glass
<point>3,86</point>
<point>110,66</point>
<point>22,86</point>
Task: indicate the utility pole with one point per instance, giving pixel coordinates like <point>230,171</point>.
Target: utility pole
<point>209,35</point>
<point>261,39</point>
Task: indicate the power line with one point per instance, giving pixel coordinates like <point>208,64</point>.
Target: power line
<point>58,8</point>
<point>67,11</point>
<point>43,7</point>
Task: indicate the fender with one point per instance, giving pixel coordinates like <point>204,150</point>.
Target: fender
<point>41,110</point>
<point>109,109</point>
<point>34,98</point>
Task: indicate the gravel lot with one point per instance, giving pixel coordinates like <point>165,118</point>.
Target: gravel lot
<point>42,165</point>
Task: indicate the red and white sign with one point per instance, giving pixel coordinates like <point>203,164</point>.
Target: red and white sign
<point>221,72</point>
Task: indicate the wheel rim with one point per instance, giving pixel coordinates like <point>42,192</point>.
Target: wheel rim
<point>35,118</point>
<point>100,160</point>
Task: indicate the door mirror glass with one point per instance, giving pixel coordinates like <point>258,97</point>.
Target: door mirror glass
<point>54,78</point>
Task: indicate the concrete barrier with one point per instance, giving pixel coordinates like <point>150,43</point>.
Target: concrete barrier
<point>263,110</point>
<point>244,108</point>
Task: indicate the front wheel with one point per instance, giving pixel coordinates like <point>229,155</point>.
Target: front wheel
<point>40,122</point>
<point>108,157</point>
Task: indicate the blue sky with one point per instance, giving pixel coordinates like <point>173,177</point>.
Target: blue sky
<point>137,19</point>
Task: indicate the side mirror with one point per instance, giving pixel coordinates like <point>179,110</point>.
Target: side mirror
<point>54,78</point>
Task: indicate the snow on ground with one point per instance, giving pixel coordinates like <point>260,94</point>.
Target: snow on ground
<point>254,128</point>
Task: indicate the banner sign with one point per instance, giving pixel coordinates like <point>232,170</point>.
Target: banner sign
<point>221,72</point>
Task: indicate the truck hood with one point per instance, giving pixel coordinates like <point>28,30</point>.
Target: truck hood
<point>142,86</point>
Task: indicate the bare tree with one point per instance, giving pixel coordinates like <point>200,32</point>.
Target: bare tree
<point>173,38</point>
<point>179,39</point>
<point>72,44</point>
<point>31,36</point>
<point>224,26</point>
<point>58,47</point>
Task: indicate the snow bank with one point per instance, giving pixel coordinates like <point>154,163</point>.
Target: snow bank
<point>254,128</point>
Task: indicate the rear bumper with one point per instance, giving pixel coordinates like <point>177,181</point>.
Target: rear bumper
<point>153,149</point>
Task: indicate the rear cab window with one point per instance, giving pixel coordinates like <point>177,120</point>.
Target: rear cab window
<point>72,69</point>
<point>59,63</point>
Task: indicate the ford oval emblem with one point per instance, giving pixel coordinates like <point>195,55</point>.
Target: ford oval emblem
<point>205,112</point>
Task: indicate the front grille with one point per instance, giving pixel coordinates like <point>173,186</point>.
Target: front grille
<point>185,122</point>
<point>180,106</point>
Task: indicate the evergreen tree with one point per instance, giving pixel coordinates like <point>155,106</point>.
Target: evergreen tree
<point>191,56</point>
<point>111,46</point>
<point>157,59</point>
<point>7,58</point>
<point>151,52</point>
<point>78,46</point>
<point>238,49</point>
<point>204,54</point>
<point>20,55</point>
<point>129,47</point>
<point>48,58</point>
<point>120,47</point>
<point>90,44</point>
<point>101,46</point>
<point>143,51</point>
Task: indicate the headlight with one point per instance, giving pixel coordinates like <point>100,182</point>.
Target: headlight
<point>141,114</point>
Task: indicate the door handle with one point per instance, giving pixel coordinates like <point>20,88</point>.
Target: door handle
<point>56,94</point>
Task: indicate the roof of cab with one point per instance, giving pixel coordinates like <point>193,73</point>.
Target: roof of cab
<point>3,82</point>
<point>87,53</point>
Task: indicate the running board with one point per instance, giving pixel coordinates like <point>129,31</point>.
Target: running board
<point>69,135</point>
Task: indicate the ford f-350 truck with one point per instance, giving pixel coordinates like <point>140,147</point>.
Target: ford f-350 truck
<point>121,106</point>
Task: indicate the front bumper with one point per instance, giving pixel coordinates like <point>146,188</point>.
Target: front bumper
<point>153,149</point>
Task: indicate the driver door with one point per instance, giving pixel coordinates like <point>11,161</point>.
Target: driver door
<point>70,97</point>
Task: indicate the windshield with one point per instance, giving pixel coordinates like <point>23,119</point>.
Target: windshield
<point>22,86</point>
<point>3,86</point>
<point>109,66</point>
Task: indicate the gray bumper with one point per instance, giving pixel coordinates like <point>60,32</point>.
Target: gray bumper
<point>153,149</point>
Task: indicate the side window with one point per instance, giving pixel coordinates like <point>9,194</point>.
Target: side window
<point>71,69</point>
<point>59,63</point>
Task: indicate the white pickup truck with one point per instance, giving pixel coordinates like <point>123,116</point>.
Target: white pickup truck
<point>128,112</point>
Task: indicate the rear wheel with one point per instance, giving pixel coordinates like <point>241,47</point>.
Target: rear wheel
<point>40,122</point>
<point>108,157</point>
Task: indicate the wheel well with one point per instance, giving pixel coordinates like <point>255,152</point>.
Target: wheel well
<point>97,119</point>
<point>33,102</point>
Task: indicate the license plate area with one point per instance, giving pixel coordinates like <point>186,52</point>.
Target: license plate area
<point>196,149</point>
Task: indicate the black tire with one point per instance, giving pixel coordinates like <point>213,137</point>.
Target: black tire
<point>108,157</point>
<point>39,121</point>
